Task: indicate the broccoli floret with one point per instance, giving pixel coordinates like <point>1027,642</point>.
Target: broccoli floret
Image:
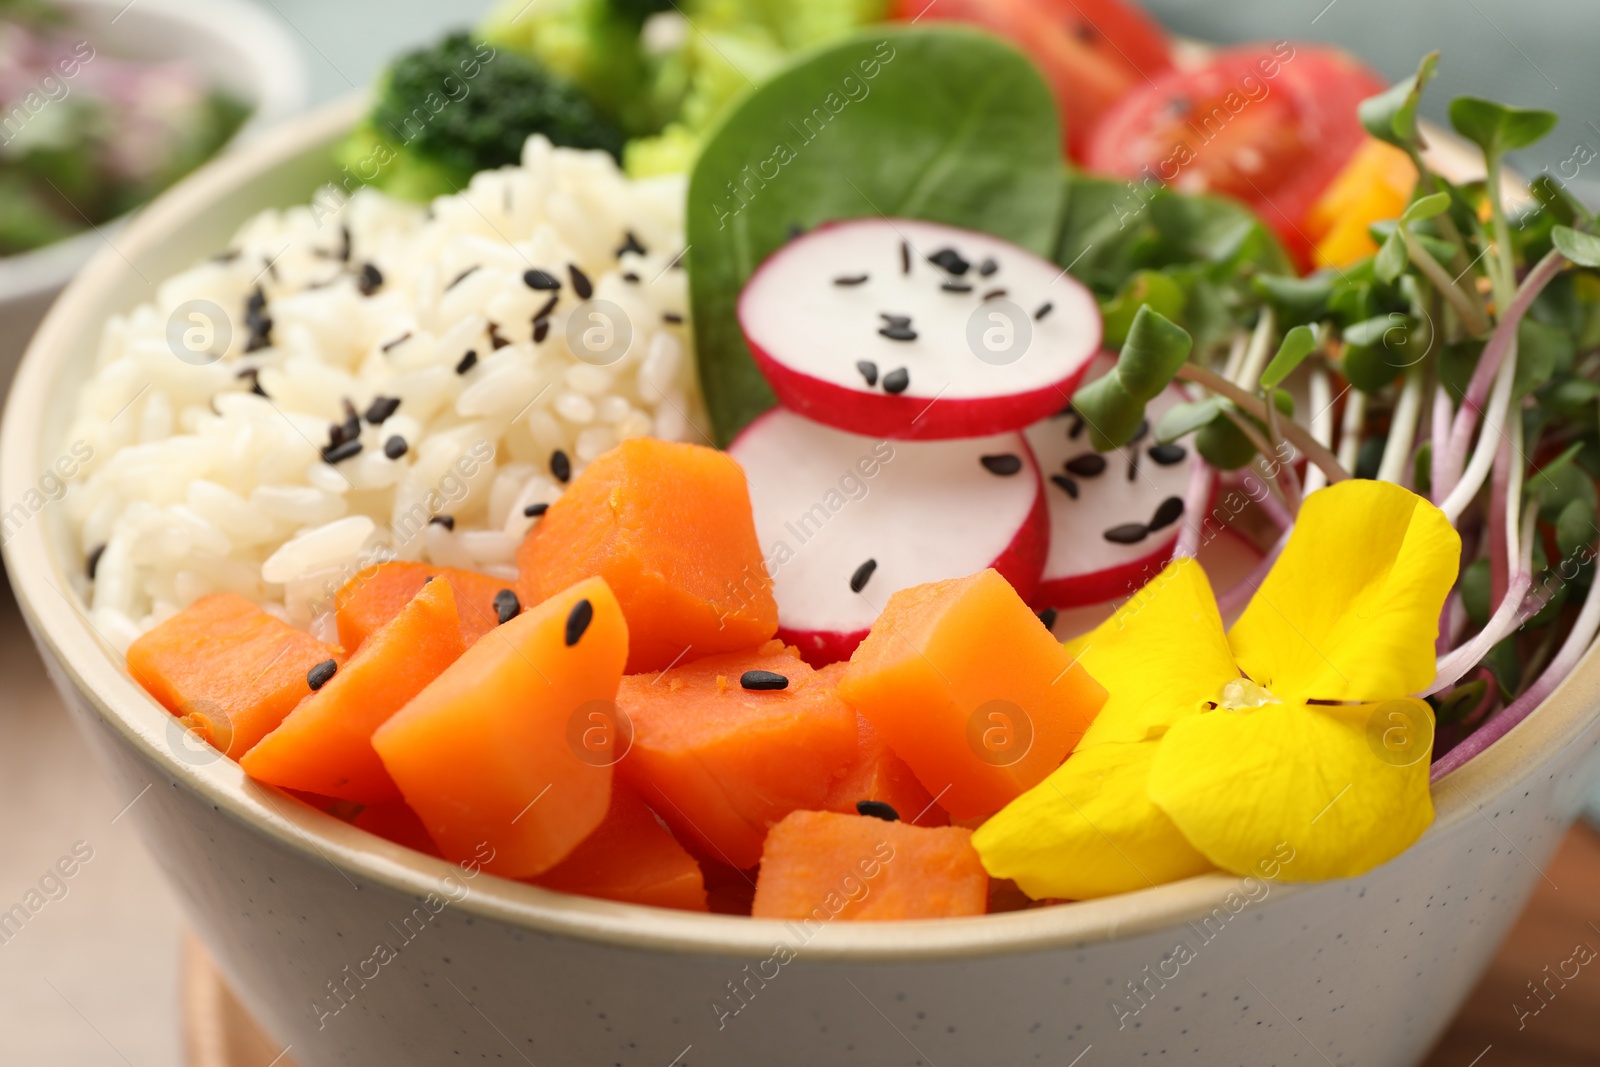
<point>451,110</point>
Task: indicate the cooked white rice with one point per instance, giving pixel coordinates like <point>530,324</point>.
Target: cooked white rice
<point>199,485</point>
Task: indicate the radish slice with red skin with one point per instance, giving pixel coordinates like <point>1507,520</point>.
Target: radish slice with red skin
<point>845,520</point>
<point>917,331</point>
<point>1120,528</point>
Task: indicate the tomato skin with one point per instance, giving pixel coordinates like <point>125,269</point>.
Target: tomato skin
<point>1091,51</point>
<point>1270,125</point>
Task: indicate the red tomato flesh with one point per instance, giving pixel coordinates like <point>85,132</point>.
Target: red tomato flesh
<point>1270,125</point>
<point>1091,51</point>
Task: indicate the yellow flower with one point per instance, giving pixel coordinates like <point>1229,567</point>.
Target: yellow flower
<point>1292,735</point>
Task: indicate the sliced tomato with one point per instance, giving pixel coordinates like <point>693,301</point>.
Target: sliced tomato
<point>1267,124</point>
<point>1091,51</point>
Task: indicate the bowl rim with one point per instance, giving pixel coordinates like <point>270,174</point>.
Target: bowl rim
<point>280,87</point>
<point>63,631</point>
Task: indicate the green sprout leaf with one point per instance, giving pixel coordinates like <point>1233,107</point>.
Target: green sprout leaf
<point>1145,287</point>
<point>1391,259</point>
<point>1297,344</point>
<point>1426,207</point>
<point>1113,405</point>
<point>1297,300</point>
<point>1185,419</point>
<point>1223,445</point>
<point>1392,115</point>
<point>1460,702</point>
<point>1497,128</point>
<point>1575,528</point>
<point>1582,248</point>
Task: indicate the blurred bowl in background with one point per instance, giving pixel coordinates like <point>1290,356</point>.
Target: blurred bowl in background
<point>241,49</point>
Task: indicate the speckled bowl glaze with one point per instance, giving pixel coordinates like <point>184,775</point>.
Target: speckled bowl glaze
<point>357,952</point>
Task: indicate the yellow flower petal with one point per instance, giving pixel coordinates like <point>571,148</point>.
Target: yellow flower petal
<point>1089,830</point>
<point>1351,609</point>
<point>1160,657</point>
<point>1343,788</point>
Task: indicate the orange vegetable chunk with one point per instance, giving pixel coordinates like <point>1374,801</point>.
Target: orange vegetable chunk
<point>876,773</point>
<point>376,595</point>
<point>396,822</point>
<point>630,857</point>
<point>822,865</point>
<point>483,756</point>
<point>721,763</point>
<point>325,744</point>
<point>670,529</point>
<point>226,668</point>
<point>967,687</point>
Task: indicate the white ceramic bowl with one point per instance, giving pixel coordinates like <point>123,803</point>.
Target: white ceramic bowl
<point>358,952</point>
<point>234,42</point>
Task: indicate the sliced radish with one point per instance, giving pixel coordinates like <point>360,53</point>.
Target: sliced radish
<point>914,330</point>
<point>846,520</point>
<point>1114,516</point>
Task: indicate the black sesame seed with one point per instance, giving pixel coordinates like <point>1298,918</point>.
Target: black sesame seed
<point>796,230</point>
<point>1170,511</point>
<point>1130,533</point>
<point>1141,432</point>
<point>447,521</point>
<point>763,681</point>
<point>897,381</point>
<point>381,408</point>
<point>352,422</point>
<point>345,243</point>
<point>905,257</point>
<point>858,580</point>
<point>340,452</point>
<point>850,279</point>
<point>869,371</point>
<point>877,809</point>
<point>994,294</point>
<point>547,307</point>
<point>988,267</point>
<point>578,620</point>
<point>318,676</point>
<point>539,279</point>
<point>632,244</point>
<point>1075,431</point>
<point>459,278</point>
<point>580,282</point>
<point>1066,484</point>
<point>950,260</point>
<point>506,606</point>
<point>1005,464</point>
<point>631,278</point>
<point>534,511</point>
<point>899,333</point>
<point>1133,466</point>
<point>894,320</point>
<point>1088,465</point>
<point>92,564</point>
<point>560,466</point>
<point>370,280</point>
<point>256,302</point>
<point>395,447</point>
<point>468,361</point>
<point>496,341</point>
<point>541,330</point>
<point>256,389</point>
<point>232,254</point>
<point>956,287</point>
<point>671,318</point>
<point>1044,309</point>
<point>1048,617</point>
<point>1167,455</point>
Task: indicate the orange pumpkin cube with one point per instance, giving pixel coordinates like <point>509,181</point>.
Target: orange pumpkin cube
<point>964,684</point>
<point>823,866</point>
<point>376,595</point>
<point>721,763</point>
<point>226,668</point>
<point>325,745</point>
<point>484,754</point>
<point>670,528</point>
<point>630,857</point>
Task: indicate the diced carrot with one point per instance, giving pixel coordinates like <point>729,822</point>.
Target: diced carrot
<point>229,670</point>
<point>822,865</point>
<point>483,754</point>
<point>630,857</point>
<point>966,686</point>
<point>670,529</point>
<point>729,891</point>
<point>395,821</point>
<point>722,763</point>
<point>876,773</point>
<point>325,745</point>
<point>376,595</point>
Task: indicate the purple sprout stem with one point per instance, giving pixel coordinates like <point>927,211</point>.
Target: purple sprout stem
<point>1443,475</point>
<point>1494,353</point>
<point>1572,650</point>
<point>1508,616</point>
<point>1499,546</point>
